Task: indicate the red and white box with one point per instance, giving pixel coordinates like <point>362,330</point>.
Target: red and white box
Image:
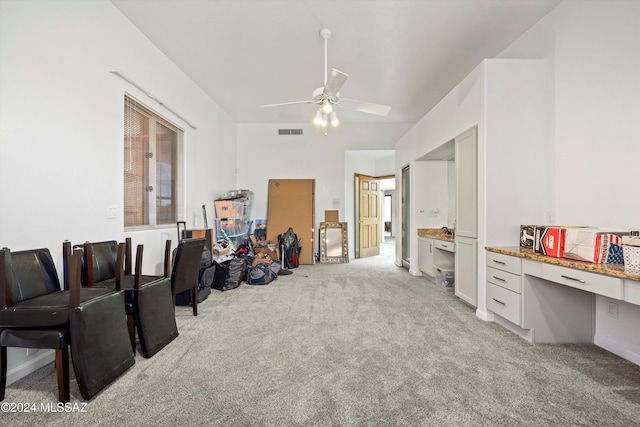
<point>592,244</point>
<point>549,241</point>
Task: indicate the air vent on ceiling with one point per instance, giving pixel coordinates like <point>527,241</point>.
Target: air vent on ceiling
<point>289,131</point>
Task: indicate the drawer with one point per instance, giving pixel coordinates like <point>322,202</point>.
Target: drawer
<point>504,279</point>
<point>504,262</point>
<point>632,291</point>
<point>591,282</point>
<point>447,246</point>
<point>504,303</point>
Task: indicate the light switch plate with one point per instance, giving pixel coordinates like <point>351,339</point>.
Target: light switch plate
<point>112,212</point>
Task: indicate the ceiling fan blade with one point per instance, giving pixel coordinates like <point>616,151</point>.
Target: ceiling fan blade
<point>289,103</point>
<point>335,82</point>
<point>365,107</point>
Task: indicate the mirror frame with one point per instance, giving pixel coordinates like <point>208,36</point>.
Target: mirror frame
<point>342,226</point>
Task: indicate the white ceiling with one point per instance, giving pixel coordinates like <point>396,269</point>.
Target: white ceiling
<point>404,53</point>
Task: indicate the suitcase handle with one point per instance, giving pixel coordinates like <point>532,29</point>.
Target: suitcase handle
<point>184,229</point>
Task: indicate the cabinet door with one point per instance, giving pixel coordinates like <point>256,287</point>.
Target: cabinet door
<point>467,184</point>
<point>466,280</point>
<point>425,255</point>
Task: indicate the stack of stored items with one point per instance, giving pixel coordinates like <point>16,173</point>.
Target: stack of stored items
<point>233,210</point>
<point>591,244</point>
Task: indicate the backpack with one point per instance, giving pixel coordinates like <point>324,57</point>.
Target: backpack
<point>290,248</point>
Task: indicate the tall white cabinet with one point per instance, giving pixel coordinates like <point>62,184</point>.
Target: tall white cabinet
<point>466,153</point>
<point>466,229</point>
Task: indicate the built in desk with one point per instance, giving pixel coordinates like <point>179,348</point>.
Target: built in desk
<point>552,300</point>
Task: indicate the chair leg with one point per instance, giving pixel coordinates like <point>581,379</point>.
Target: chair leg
<point>3,371</point>
<point>62,369</point>
<point>131,326</point>
<point>194,299</point>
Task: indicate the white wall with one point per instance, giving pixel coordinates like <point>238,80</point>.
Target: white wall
<point>592,51</point>
<point>432,194</point>
<point>597,131</point>
<point>330,159</point>
<point>61,121</point>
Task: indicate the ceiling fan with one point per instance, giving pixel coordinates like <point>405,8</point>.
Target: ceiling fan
<point>328,96</point>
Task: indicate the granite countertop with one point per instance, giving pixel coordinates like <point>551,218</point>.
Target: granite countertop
<point>615,270</point>
<point>435,233</point>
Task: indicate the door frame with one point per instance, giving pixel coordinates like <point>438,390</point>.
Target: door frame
<point>356,210</point>
<point>405,215</point>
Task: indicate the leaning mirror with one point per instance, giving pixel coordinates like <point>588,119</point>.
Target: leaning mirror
<point>334,246</point>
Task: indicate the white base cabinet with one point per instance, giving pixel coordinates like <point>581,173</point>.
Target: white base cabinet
<point>425,256</point>
<point>504,286</point>
<point>466,267</point>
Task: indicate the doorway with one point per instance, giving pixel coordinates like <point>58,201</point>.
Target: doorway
<point>373,213</point>
<point>405,191</point>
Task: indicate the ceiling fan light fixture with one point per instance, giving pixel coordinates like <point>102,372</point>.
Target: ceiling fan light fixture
<point>325,121</point>
<point>334,119</point>
<point>327,108</point>
<point>329,95</point>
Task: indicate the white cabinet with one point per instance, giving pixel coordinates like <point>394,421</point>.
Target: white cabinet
<point>466,266</point>
<point>467,184</point>
<point>425,255</point>
<point>504,286</point>
<point>466,229</point>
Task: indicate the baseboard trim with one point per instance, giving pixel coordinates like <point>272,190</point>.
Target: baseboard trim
<point>487,316</point>
<point>617,349</point>
<point>527,334</point>
<point>415,272</point>
<point>30,365</point>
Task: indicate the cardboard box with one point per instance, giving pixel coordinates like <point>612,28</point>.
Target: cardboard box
<point>527,235</point>
<point>331,216</point>
<point>229,209</point>
<point>260,251</point>
<point>291,203</point>
<point>594,245</point>
<point>549,241</point>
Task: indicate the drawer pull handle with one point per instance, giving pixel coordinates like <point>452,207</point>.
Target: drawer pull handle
<point>499,302</point>
<point>571,278</point>
<point>499,278</point>
<point>500,262</point>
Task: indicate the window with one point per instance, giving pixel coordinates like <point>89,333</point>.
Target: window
<point>152,171</point>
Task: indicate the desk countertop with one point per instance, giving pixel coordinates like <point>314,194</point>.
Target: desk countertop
<point>615,270</point>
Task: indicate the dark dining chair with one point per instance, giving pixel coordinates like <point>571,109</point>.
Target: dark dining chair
<point>36,313</point>
<point>186,269</point>
<point>148,299</point>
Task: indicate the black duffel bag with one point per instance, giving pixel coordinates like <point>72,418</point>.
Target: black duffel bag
<point>229,274</point>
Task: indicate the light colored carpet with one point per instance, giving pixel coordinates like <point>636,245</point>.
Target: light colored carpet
<point>363,343</point>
